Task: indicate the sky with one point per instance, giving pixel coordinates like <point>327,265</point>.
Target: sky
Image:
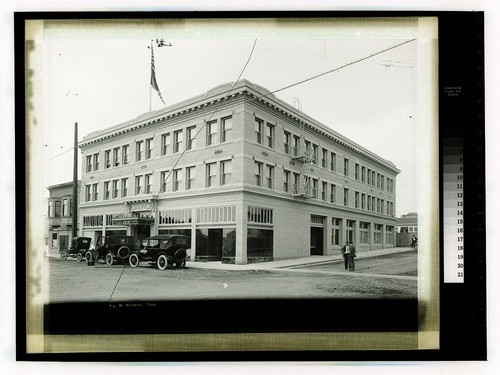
<point>100,78</point>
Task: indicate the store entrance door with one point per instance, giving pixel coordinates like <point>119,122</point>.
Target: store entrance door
<point>316,241</point>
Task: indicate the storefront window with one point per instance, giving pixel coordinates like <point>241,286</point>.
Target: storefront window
<point>259,243</point>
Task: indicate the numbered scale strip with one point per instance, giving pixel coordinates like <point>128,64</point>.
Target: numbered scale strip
<point>453,210</point>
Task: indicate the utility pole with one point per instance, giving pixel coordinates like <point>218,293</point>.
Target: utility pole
<point>75,183</point>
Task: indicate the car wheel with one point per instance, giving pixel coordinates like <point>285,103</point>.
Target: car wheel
<point>133,260</point>
<point>123,252</point>
<point>79,257</point>
<point>109,259</point>
<point>88,256</point>
<point>161,262</point>
<point>64,256</point>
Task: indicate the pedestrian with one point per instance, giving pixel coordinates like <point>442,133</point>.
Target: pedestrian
<point>345,254</point>
<point>351,254</point>
<point>413,241</point>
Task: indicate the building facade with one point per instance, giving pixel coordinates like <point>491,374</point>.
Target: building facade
<point>249,177</point>
<point>60,216</point>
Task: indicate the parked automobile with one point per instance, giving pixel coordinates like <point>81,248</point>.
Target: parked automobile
<point>162,250</point>
<point>77,248</point>
<point>111,249</point>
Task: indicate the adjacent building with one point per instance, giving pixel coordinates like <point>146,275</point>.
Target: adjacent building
<point>60,216</point>
<point>249,177</point>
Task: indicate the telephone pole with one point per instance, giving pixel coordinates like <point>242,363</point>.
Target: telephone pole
<point>75,183</point>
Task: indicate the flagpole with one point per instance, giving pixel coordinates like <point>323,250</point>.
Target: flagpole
<point>150,86</point>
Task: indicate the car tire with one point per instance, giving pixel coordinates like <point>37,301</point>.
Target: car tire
<point>88,256</point>
<point>64,256</point>
<point>180,256</point>
<point>133,260</point>
<point>79,257</point>
<point>109,259</point>
<point>162,262</point>
<point>123,252</point>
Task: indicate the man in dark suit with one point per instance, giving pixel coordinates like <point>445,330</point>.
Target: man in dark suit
<point>349,253</point>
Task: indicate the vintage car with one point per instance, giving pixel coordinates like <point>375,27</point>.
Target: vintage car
<point>111,249</point>
<point>163,250</point>
<point>77,249</point>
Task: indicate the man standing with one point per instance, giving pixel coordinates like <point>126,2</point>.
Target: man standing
<point>345,254</point>
<point>350,254</point>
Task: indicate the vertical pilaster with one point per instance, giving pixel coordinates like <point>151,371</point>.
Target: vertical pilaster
<point>193,235</point>
<point>241,234</point>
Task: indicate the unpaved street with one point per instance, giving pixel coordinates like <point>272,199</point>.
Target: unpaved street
<point>71,281</point>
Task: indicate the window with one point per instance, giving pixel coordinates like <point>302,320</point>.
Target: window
<point>124,187</point>
<point>225,171</point>
<point>333,193</point>
<point>227,129</point>
<point>211,174</point>
<point>88,196</point>
<point>378,204</point>
<point>177,179</point>
<point>308,148</point>
<point>270,135</point>
<point>286,180</point>
<point>356,171</point>
<point>149,183</point>
<point>95,192</point>
<point>363,174</point>
<point>369,205</point>
<point>333,161</point>
<point>363,201</point>
<point>346,196</point>
<point>269,176</point>
<point>335,231</point>
<point>260,215</point>
<point>296,183</point>
<point>364,235</point>
<point>382,182</point>
<point>138,184</point>
<point>165,143</point>
<point>258,173</point>
<point>57,212</point>
<point>96,162</point>
<point>258,131</point>
<point>369,180</point>
<point>139,150</point>
<point>89,164</point>
<point>149,148</point>
<point>296,145</point>
<point>107,192</point>
<point>346,167</point>
<point>373,178</point>
<point>107,159</point>
<point>190,177</point>
<point>211,133</point>
<point>377,233</point>
<point>164,181</point>
<point>324,157</point>
<point>191,140</point>
<point>125,154</point>
<point>324,190</point>
<point>177,141</point>
<point>315,153</point>
<point>286,144</point>
<point>373,203</point>
<point>315,188</point>
<point>378,180</point>
<point>356,199</point>
<point>115,189</point>
<point>116,157</point>
<point>381,206</point>
<point>65,207</point>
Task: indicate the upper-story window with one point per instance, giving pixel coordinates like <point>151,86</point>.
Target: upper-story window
<point>269,176</point>
<point>373,178</point>
<point>149,148</point>
<point>211,174</point>
<point>286,181</point>
<point>115,189</point>
<point>324,190</point>
<point>116,156</point>
<point>66,207</point>
<point>333,193</point>
<point>95,192</point>
<point>149,183</point>
<point>88,164</point>
<point>125,158</point>
<point>191,138</point>
<point>225,172</point>
<point>356,199</point>
<point>165,144</point>
<point>363,174</point>
<point>346,167</point>
<point>211,133</point>
<point>138,184</point>
<point>177,141</point>
<point>286,142</point>
<point>96,162</point>
<point>88,196</point>
<point>164,181</point>
<point>177,179</point>
<point>296,145</point>
<point>382,182</point>
<point>369,179</point>
<point>107,191</point>
<point>107,159</point>
<point>124,187</point>
<point>258,173</point>
<point>190,177</point>
<point>346,196</point>
<point>333,161</point>
<point>226,129</point>
<point>324,157</point>
<point>356,171</point>
<point>315,153</point>
<point>378,180</point>
<point>270,135</point>
<point>308,148</point>
<point>139,150</point>
<point>258,131</point>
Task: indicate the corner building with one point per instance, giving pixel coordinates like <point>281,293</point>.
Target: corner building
<point>249,177</point>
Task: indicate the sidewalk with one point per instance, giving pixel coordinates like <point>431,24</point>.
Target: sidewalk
<point>294,263</point>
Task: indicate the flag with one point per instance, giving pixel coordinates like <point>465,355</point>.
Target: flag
<point>154,84</point>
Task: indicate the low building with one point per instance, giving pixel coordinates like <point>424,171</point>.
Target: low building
<point>60,216</point>
<point>406,228</point>
<point>247,176</point>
